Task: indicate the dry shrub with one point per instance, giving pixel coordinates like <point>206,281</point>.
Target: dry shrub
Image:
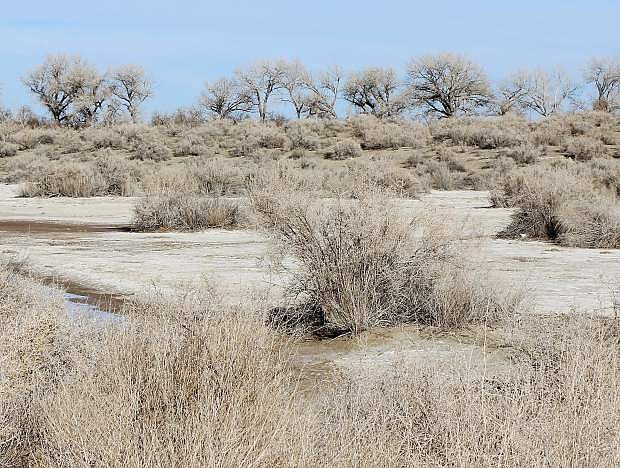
<point>583,148</point>
<point>551,131</point>
<point>145,143</point>
<point>609,138</point>
<point>354,179</point>
<point>524,154</point>
<point>188,198</point>
<point>27,139</point>
<point>302,136</point>
<point>243,148</point>
<point>267,136</point>
<point>298,154</point>
<point>485,133</point>
<point>607,174</point>
<point>8,149</point>
<point>440,175</point>
<point>556,129</point>
<point>561,203</point>
<point>492,177</point>
<point>150,150</point>
<point>216,177</point>
<point>557,408</point>
<point>379,134</point>
<point>193,383</point>
<point>184,212</point>
<point>212,389</point>
<point>64,180</point>
<point>213,177</point>
<point>360,266</point>
<point>189,147</point>
<point>39,349</point>
<point>399,182</point>
<point>105,138</point>
<point>218,394</point>
<point>22,167</point>
<point>106,175</point>
<point>344,149</point>
<point>414,160</point>
<point>451,158</point>
<point>121,177</point>
<point>591,224</point>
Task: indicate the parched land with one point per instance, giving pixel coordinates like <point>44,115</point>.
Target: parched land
<point>314,293</point>
<point>86,241</point>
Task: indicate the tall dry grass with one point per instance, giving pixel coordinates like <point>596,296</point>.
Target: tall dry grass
<point>107,174</point>
<point>212,388</point>
<point>570,203</point>
<point>360,266</point>
<point>193,383</point>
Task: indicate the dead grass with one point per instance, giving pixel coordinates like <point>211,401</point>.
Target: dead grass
<point>154,391</point>
<point>583,148</point>
<point>344,149</point>
<point>106,175</point>
<point>376,134</point>
<point>565,203</point>
<point>185,212</point>
<point>193,383</point>
<point>359,266</point>
<point>488,133</point>
<point>8,149</point>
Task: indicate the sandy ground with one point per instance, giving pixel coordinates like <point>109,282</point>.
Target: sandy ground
<point>77,241</point>
<point>84,244</point>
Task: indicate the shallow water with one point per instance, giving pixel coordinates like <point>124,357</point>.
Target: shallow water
<point>83,307</point>
<point>48,227</point>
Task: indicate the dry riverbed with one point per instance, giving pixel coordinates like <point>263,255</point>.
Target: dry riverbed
<point>86,246</point>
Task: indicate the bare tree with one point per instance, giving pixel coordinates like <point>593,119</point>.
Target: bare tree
<point>325,92</point>
<point>376,91</point>
<point>59,82</point>
<point>5,114</point>
<point>226,98</point>
<point>542,92</point>
<point>604,75</point>
<point>89,103</point>
<point>261,80</point>
<point>130,88</point>
<point>446,85</point>
<point>298,86</point>
<point>512,92</point>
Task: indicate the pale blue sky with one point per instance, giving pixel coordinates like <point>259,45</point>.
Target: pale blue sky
<point>182,43</point>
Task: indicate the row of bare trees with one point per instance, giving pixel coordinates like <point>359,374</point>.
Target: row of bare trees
<point>74,92</point>
<point>442,85</point>
<point>435,86</point>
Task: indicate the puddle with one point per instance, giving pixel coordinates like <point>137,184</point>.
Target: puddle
<point>42,227</point>
<point>78,306</point>
<point>386,351</point>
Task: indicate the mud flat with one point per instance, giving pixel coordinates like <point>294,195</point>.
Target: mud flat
<point>87,242</point>
<point>86,246</point>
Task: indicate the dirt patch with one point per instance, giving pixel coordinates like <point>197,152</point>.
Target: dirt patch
<point>85,241</point>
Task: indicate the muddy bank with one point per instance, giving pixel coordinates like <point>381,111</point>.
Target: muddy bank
<point>381,352</point>
<point>86,242</point>
<point>49,227</point>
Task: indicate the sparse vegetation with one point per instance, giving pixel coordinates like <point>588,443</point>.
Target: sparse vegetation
<point>184,212</point>
<point>362,267</point>
<point>344,149</point>
<point>565,203</point>
<point>106,175</point>
<point>178,372</point>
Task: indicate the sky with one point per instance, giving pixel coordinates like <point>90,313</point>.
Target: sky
<point>182,43</point>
